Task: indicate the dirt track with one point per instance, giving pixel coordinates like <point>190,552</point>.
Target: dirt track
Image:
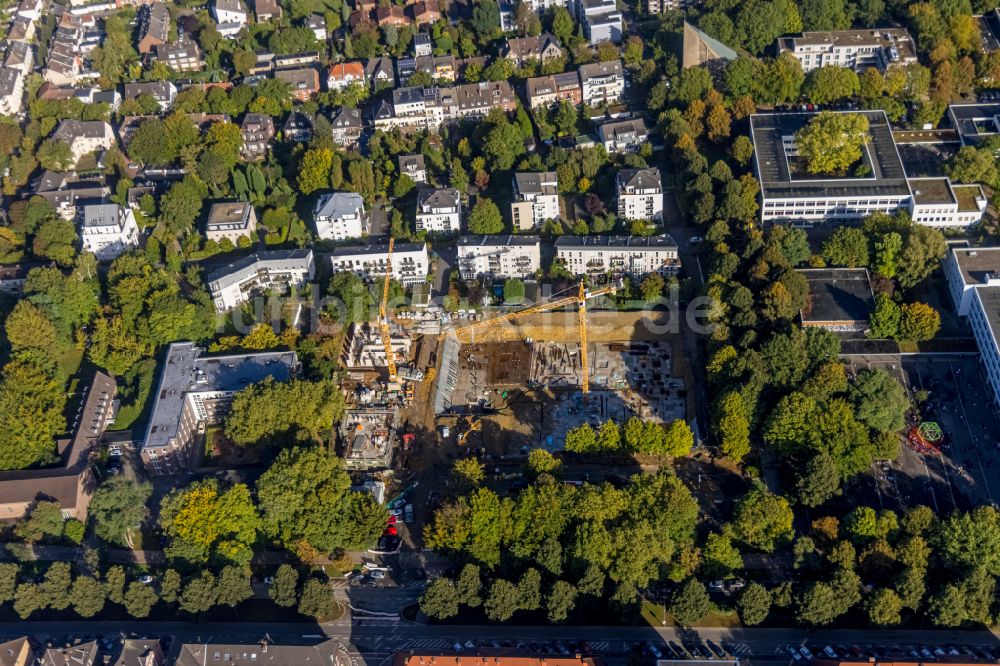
<point>602,326</point>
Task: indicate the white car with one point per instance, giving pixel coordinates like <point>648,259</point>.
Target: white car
<point>146,580</point>
<point>829,651</point>
<point>805,652</point>
<point>457,646</point>
<point>378,574</point>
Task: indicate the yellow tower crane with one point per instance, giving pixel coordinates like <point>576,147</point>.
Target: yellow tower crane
<point>580,300</point>
<point>383,320</point>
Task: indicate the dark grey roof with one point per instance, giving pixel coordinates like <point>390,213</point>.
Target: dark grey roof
<point>974,122</point>
<point>70,130</point>
<point>838,295</point>
<point>498,240</point>
<point>597,70</point>
<point>887,175</point>
<point>82,654</point>
<point>409,163</point>
<point>530,182</point>
<point>641,179</point>
<point>409,95</point>
<point>378,250</point>
<point>664,241</point>
<point>346,118</point>
<point>438,198</point>
<point>159,90</point>
<point>101,215</point>
<point>8,80</point>
<point>232,271</point>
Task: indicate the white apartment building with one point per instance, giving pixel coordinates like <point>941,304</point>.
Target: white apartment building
<point>439,211</point>
<point>939,203</point>
<point>602,83</point>
<point>339,216</point>
<point>857,49</point>
<point>85,136</point>
<point>232,220</point>
<point>640,194</point>
<point>418,108</point>
<point>410,262</point>
<point>260,273</point>
<point>413,166</point>
<point>623,136</point>
<point>536,199</point>
<point>600,19</point>
<point>631,256</point>
<point>498,256</point>
<point>108,230</point>
<point>164,92</point>
<point>11,91</point>
<point>973,276</point>
<point>230,16</point>
<point>507,10</point>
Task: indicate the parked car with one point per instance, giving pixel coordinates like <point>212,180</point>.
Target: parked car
<point>408,513</point>
<point>146,580</point>
<point>830,652</point>
<point>805,652</point>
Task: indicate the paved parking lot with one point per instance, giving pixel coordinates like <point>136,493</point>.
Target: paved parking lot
<point>797,652</point>
<point>967,471</point>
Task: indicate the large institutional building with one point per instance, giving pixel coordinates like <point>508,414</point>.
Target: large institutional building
<point>973,276</point>
<point>789,194</point>
<point>857,49</point>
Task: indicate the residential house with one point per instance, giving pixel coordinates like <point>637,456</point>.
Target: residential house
<point>422,45</point>
<point>600,19</point>
<point>232,220</point>
<point>856,49</point>
<point>499,256</point>
<point>535,199</point>
<point>108,230</point>
<point>439,211</point>
<point>410,262</point>
<point>632,256</point>
<point>380,73</point>
<point>413,166</point>
<point>426,12</point>
<point>17,651</point>
<point>339,216</point>
<point>623,136</point>
<point>140,652</point>
<point>195,391</point>
<point>343,74</point>
<point>154,27</point>
<point>68,191</point>
<point>392,15</point>
<point>548,91</point>
<point>30,9</point>
<point>21,30</point>
<point>346,126</point>
<point>20,56</point>
<point>317,24</point>
<point>296,60</point>
<point>259,273</point>
<point>312,651</point>
<point>231,16</point>
<point>304,83</point>
<point>640,194</point>
<point>81,654</point>
<point>257,130</point>
<point>602,83</point>
<point>163,92</point>
<point>523,50</point>
<point>65,53</point>
<point>298,126</point>
<point>11,91</point>
<point>508,8</point>
<point>85,136</point>
<point>181,56</point>
<point>266,10</point>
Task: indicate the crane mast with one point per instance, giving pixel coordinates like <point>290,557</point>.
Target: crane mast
<point>383,320</point>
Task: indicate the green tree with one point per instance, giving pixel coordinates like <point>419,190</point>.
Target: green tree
<point>88,596</point>
<point>118,504</point>
<point>204,521</point>
<point>754,604</point>
<point>721,557</point>
<point>55,155</point>
<point>887,251</point>
<point>56,586</point>
<point>884,608</point>
<point>733,426</point>
<point>440,600</point>
<point>114,583</point>
<point>820,480</point>
<point>541,462</point>
<point>847,246</point>
<point>918,321</point>
<point>923,249</point>
<point>880,399</point>
<point>139,600</point>
<point>560,601</point>
<point>283,589</point>
<point>272,411</point>
<point>831,83</point>
<point>513,291</point>
<point>502,601</point>
<point>581,439</point>
<point>28,327</point>
<point>763,520</point>
<point>485,217</point>
<point>9,571</point>
<point>170,586</point>
<point>317,600</point>
<point>199,593</point>
<point>690,603</point>
<point>27,599</point>
<point>233,586</point>
<point>832,142</point>
<point>314,170</point>
<point>467,474</point>
<point>469,586</point>
<point>44,519</point>
<point>55,239</point>
<point>884,320</point>
<point>973,165</point>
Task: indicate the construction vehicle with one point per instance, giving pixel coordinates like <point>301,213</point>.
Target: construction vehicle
<point>383,321</point>
<point>464,333</point>
<point>474,425</point>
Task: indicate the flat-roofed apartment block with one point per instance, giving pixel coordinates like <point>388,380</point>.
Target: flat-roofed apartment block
<point>232,220</point>
<point>939,203</point>
<point>789,193</point>
<point>602,82</point>
<point>108,230</point>
<point>840,299</point>
<point>154,27</point>
<point>536,199</point>
<point>857,49</point>
<point>631,256</point>
<point>196,391</point>
<point>973,276</point>
<point>180,56</point>
<point>499,256</point>
<point>640,194</point>
<point>975,122</point>
<point>238,282</point>
<point>410,262</point>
